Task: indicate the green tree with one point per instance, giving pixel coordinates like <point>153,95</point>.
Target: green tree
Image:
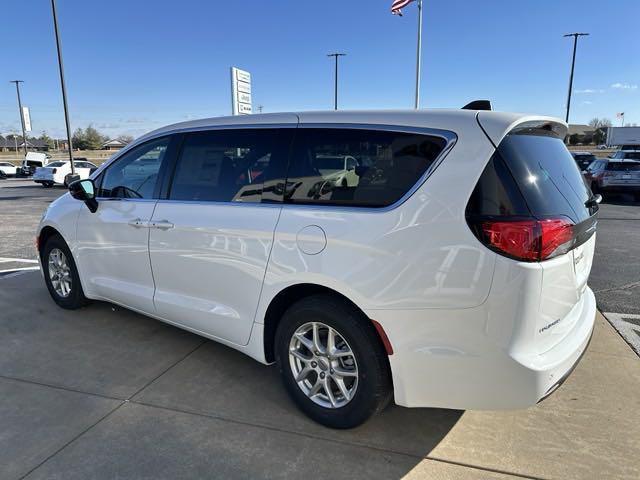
<point>79,139</point>
<point>93,138</point>
<point>47,139</point>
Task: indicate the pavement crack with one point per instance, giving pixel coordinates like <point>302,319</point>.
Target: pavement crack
<point>621,287</point>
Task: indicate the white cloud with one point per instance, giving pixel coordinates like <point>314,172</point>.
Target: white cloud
<point>624,86</point>
<point>590,90</point>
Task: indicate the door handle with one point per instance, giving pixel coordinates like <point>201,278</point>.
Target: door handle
<point>162,225</point>
<point>139,223</point>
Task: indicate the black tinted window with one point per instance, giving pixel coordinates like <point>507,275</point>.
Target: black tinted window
<point>546,174</point>
<point>496,193</point>
<point>357,167</point>
<point>623,167</point>
<point>134,175</point>
<point>232,166</point>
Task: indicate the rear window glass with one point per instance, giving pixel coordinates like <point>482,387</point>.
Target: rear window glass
<point>547,175</point>
<point>354,167</point>
<point>623,167</point>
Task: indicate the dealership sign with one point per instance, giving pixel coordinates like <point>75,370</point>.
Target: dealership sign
<point>240,92</point>
<point>26,119</point>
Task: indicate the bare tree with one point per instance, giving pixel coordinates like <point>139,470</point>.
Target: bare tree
<point>600,122</point>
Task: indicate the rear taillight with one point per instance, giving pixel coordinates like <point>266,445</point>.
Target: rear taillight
<point>529,240</point>
<point>54,170</point>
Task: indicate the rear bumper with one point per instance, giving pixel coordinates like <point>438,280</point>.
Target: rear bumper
<point>448,359</point>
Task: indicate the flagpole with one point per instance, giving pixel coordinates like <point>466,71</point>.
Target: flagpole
<point>419,56</point>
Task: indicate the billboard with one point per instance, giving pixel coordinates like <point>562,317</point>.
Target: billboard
<point>26,119</point>
<point>240,92</point>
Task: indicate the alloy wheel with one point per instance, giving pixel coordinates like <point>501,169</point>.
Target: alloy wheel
<point>59,272</point>
<point>323,365</point>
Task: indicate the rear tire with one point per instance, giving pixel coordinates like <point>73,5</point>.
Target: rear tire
<point>47,184</point>
<point>357,364</point>
<point>61,275</point>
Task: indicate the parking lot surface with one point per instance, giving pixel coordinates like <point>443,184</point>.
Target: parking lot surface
<point>102,392</point>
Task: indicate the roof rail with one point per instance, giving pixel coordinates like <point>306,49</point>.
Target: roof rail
<point>478,105</point>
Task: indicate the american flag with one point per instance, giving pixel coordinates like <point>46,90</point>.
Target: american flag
<point>398,5</point>
<point>620,115</point>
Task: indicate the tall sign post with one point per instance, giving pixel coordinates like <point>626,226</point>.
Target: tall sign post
<point>22,122</point>
<point>240,92</point>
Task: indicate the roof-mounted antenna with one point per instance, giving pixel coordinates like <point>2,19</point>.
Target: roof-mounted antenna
<point>478,105</point>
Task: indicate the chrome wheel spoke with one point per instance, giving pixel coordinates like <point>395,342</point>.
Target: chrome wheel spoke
<point>316,339</point>
<point>341,372</point>
<point>303,374</point>
<point>327,388</point>
<point>301,356</point>
<point>339,381</point>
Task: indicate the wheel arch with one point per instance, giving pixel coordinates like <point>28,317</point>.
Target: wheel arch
<point>45,234</point>
<point>293,293</point>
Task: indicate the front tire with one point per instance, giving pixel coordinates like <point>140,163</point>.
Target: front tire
<point>332,362</point>
<point>61,274</point>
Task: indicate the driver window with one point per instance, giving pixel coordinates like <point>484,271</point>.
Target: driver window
<point>134,175</point>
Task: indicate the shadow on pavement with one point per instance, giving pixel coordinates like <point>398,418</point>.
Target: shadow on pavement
<point>188,402</point>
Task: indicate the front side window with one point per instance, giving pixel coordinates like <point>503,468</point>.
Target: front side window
<point>235,165</point>
<point>366,168</point>
<point>135,174</point>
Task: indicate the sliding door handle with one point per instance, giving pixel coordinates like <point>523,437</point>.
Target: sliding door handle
<point>162,224</point>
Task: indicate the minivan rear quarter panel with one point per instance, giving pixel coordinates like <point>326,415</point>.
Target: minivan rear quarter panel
<point>413,255</point>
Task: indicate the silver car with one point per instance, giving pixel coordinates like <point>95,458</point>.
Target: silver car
<point>622,176</point>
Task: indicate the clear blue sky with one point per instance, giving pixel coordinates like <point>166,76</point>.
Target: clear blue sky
<point>134,65</point>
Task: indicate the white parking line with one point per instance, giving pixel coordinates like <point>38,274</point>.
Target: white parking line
<point>628,325</point>
<point>18,260</point>
<point>21,269</point>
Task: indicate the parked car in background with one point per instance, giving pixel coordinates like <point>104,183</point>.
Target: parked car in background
<point>619,176</point>
<point>8,169</point>
<point>627,153</point>
<point>56,172</point>
<point>583,159</point>
<point>431,279</point>
<point>32,160</point>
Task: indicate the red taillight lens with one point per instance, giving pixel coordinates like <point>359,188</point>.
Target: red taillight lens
<point>529,240</point>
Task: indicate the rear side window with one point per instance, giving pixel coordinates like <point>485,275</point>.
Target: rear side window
<point>623,167</point>
<point>354,167</point>
<point>546,174</point>
<point>236,165</point>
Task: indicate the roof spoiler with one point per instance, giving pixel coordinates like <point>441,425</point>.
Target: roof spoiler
<point>478,105</point>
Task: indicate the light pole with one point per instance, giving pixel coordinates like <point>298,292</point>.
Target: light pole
<point>62,85</point>
<point>419,57</point>
<point>573,64</point>
<point>335,92</point>
<point>24,137</point>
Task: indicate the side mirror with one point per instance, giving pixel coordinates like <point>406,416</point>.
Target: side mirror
<point>84,190</point>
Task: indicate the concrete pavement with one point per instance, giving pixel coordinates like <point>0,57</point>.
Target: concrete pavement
<point>103,393</point>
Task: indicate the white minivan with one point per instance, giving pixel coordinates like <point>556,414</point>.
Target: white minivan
<point>450,272</point>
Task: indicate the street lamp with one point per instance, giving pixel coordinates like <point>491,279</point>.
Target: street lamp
<point>72,175</point>
<point>335,91</point>
<point>573,63</point>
